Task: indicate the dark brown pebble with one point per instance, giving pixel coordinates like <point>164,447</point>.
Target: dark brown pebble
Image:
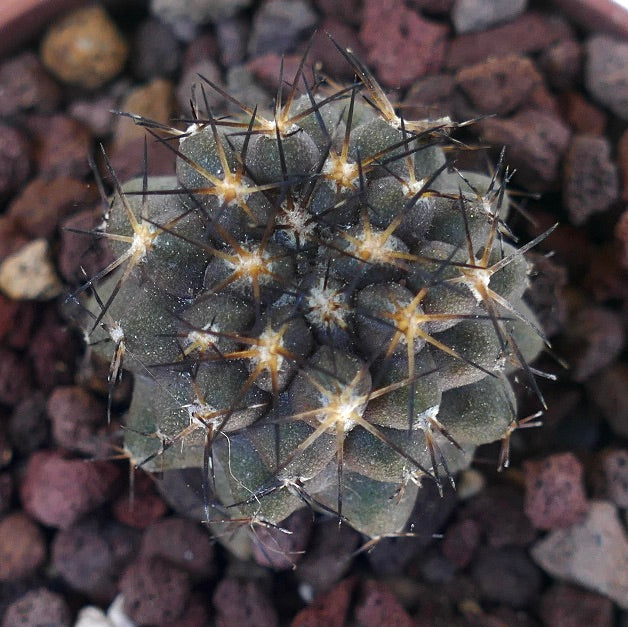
<point>571,606</point>
<point>460,542</point>
<point>6,491</point>
<point>26,86</point>
<point>38,608</point>
<point>57,491</point>
<point>282,547</point>
<point>609,392</point>
<point>349,11</point>
<point>329,555</point>
<point>232,34</point>
<point>14,159</point>
<point>181,542</point>
<point>91,555</point>
<point>155,51</point>
<point>379,606</point>
<point>507,575</point>
<point>430,97</point>
<point>328,609</point>
<point>562,63</point>
<point>582,115</point>
<point>53,351</point>
<point>44,202</point>
<point>155,591</point>
<point>28,424</point>
<point>22,547</point>
<point>60,145</point>
<point>82,251</point>
<point>511,527</point>
<point>77,417</point>
<point>243,603</point>
<point>15,377</point>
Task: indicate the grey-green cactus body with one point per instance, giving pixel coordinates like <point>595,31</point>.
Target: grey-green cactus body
<point>315,313</point>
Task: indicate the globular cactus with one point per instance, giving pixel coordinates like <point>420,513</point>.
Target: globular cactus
<point>318,309</point>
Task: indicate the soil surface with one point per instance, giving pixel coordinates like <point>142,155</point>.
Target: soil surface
<point>541,543</point>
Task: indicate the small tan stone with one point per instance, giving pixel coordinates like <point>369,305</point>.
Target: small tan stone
<point>28,273</point>
<point>84,48</point>
<point>154,101</point>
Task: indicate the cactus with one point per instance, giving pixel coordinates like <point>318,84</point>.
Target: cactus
<point>317,310</point>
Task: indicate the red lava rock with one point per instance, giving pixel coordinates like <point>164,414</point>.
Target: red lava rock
<point>590,178</point>
<point>529,33</point>
<point>266,68</point>
<point>379,606</point>
<point>609,391</point>
<point>38,608</point>
<point>615,464</point>
<point>53,350</point>
<point>26,86</point>
<point>329,609</point>
<point>91,555</point>
<point>507,575</point>
<point>499,85</point>
<point>542,99</point>
<point>537,140</point>
<point>582,115</point>
<point>460,542</point>
<point>155,592</point>
<point>44,202</point>
<point>242,603</point>
<point>391,34</point>
<point>565,605</point>
<point>127,160</point>
<point>329,555</point>
<point>95,112</point>
<point>204,46</point>
<point>61,145</point>
<point>561,63</point>
<point>6,451</point>
<point>6,491</point>
<point>76,417</point>
<point>499,512</point>
<point>57,491</point>
<point>555,496</point>
<point>14,159</point>
<point>15,377</point>
<point>606,279</point>
<point>22,547</point>
<point>622,160</point>
<point>593,339</point>
<point>182,543</point>
<point>143,506</point>
<point>79,250</point>
<point>430,97</point>
<point>274,548</point>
